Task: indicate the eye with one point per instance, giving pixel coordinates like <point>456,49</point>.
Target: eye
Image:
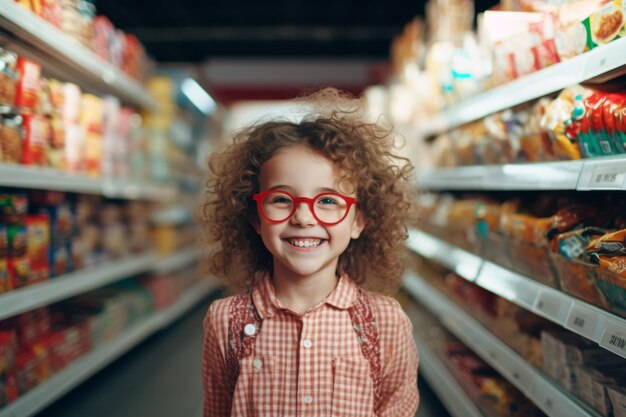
<point>280,199</point>
<point>326,200</point>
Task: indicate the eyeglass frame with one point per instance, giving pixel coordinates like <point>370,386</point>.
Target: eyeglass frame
<point>258,197</point>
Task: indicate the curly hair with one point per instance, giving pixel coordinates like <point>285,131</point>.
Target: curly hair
<point>363,152</point>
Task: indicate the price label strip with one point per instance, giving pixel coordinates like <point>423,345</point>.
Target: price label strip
<point>603,175</point>
<point>582,320</point>
<point>552,306</point>
<point>614,338</point>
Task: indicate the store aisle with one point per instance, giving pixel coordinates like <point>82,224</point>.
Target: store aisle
<point>161,378</point>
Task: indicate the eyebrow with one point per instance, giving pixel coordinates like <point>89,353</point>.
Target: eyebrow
<point>289,188</point>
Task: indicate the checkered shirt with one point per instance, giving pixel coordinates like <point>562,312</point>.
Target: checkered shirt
<point>310,364</point>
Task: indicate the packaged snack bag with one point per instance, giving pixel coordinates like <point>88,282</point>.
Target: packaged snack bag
<point>609,251</point>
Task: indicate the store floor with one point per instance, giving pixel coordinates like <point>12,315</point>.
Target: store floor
<point>161,378</point>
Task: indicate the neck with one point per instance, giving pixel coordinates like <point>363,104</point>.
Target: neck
<point>300,293</point>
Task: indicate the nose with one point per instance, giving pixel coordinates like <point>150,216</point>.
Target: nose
<point>303,216</point>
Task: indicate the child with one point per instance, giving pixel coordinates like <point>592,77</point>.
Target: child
<point>300,216</point>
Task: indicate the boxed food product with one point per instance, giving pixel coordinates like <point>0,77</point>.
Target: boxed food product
<point>38,247</point>
<point>11,138</point>
<point>8,77</point>
<point>13,208</point>
<point>74,148</point>
<point>8,347</point>
<point>36,140</point>
<point>19,271</point>
<point>5,279</point>
<point>28,82</point>
<point>11,391</point>
<point>71,103</point>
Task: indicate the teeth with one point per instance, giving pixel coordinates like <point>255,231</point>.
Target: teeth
<point>306,243</point>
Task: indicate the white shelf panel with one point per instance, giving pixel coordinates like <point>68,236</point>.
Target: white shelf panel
<point>591,322</point>
<point>65,286</point>
<point>536,176</point>
<point>176,261</point>
<point>448,390</point>
<point>69,285</point>
<point>43,395</point>
<point>458,260</point>
<point>172,216</point>
<point>63,57</point>
<point>546,395</point>
<point>51,179</point>
<point>598,65</point>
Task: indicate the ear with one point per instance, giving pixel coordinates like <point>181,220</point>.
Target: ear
<point>358,225</point>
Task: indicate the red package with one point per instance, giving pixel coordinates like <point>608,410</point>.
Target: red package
<point>103,30</point>
<point>11,388</point>
<point>8,347</point>
<point>28,81</point>
<point>36,139</point>
<point>26,370</point>
<point>52,12</point>
<point>38,247</point>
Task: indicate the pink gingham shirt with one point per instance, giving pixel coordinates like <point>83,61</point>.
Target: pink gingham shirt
<point>311,364</point>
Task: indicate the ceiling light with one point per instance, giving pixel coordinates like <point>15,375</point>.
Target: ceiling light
<point>196,94</point>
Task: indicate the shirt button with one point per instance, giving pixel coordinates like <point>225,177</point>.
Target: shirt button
<point>308,399</point>
<point>249,329</point>
<point>257,364</point>
<point>307,343</point>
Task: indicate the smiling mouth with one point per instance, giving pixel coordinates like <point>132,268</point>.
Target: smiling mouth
<point>305,243</point>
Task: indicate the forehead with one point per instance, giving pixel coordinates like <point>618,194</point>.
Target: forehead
<point>301,168</point>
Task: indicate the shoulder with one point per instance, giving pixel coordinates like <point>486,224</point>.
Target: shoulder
<point>216,317</point>
<point>390,316</point>
<point>384,306</point>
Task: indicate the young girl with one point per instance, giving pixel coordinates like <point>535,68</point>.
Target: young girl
<point>301,216</point>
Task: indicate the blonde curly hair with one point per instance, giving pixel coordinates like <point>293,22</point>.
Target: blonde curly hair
<point>363,151</point>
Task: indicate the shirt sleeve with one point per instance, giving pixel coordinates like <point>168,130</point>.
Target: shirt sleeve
<point>217,393</point>
<point>400,396</point>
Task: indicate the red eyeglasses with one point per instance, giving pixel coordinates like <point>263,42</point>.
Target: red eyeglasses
<point>277,206</point>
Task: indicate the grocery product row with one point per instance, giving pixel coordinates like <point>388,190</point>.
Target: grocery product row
<point>63,244</point>
<point>76,45</point>
<point>561,372</point>
<point>77,19</point>
<point>529,48</point>
<point>49,123</point>
<point>581,122</point>
<point>563,240</point>
<point>48,351</point>
<point>467,385</point>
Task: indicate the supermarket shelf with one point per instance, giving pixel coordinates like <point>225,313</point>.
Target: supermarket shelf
<point>65,286</point>
<point>598,65</point>
<point>604,173</point>
<point>554,401</point>
<point>172,216</point>
<point>52,179</point>
<point>64,58</point>
<point>593,323</point>
<point>46,393</point>
<point>444,383</point>
<point>176,261</point>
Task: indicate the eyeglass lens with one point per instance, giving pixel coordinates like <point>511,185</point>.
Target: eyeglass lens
<point>328,208</point>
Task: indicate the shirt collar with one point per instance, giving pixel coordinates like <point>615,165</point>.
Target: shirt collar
<point>266,303</point>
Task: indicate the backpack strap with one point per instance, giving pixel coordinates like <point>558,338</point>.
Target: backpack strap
<point>244,324</point>
<point>364,324</point>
